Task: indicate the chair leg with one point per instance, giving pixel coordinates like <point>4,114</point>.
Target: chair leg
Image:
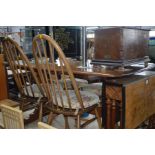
<point>21,106</point>
<point>40,112</point>
<point>66,122</point>
<point>50,118</point>
<point>98,118</point>
<point>78,122</point>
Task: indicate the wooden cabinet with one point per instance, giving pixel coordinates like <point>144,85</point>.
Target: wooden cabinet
<point>3,80</point>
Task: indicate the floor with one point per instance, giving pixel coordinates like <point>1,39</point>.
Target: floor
<point>57,123</point>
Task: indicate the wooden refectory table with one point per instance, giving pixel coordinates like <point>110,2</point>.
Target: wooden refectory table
<point>128,94</point>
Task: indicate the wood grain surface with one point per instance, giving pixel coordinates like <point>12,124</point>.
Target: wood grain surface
<point>3,80</point>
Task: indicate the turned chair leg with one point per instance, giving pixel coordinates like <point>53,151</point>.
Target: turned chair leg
<point>50,118</point>
<point>66,122</point>
<point>98,118</point>
<point>40,112</point>
<point>78,122</point>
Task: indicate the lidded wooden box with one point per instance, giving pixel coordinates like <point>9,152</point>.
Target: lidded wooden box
<point>120,46</point>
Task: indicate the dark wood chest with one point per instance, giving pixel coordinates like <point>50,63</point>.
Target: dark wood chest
<point>120,46</point>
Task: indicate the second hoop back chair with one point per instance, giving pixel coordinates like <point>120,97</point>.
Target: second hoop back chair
<point>61,100</point>
<point>30,95</point>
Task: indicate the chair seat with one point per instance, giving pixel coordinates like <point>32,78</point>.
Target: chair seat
<point>89,99</point>
<point>94,88</point>
<point>80,83</point>
<point>36,90</point>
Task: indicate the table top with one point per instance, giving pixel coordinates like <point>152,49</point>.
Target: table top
<point>107,72</point>
<point>110,72</point>
<point>131,79</point>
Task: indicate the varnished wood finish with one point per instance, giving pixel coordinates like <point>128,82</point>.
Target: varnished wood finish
<point>135,104</point>
<point>140,101</point>
<point>48,72</point>
<point>9,102</point>
<point>108,116</point>
<point>67,123</point>
<point>150,104</point>
<point>121,115</point>
<point>150,95</point>
<point>113,114</point>
<point>98,117</point>
<point>113,104</point>
<point>98,73</point>
<point>132,99</point>
<point>114,92</point>
<point>121,45</point>
<point>24,76</point>
<point>105,73</point>
<point>3,80</point>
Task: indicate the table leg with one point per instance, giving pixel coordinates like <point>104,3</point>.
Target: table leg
<point>104,106</point>
<point>121,116</point>
<point>113,114</point>
<point>108,112</point>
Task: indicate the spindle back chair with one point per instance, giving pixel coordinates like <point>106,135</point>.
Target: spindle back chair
<point>29,87</point>
<point>61,100</point>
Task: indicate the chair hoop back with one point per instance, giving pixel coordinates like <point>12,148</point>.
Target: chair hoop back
<point>22,69</point>
<point>45,50</point>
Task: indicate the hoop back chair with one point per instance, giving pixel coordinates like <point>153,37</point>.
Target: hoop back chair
<point>30,91</point>
<point>12,117</point>
<point>61,100</point>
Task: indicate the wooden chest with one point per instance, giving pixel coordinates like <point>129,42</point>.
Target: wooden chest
<point>120,46</point>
